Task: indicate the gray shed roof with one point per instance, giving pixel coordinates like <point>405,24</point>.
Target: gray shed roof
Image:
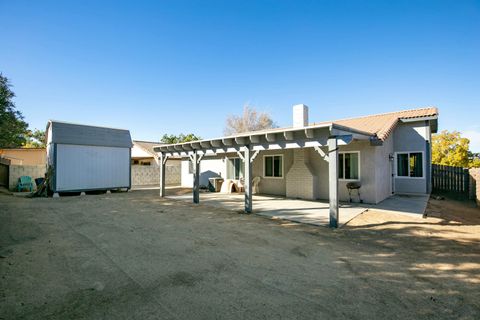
<point>79,134</point>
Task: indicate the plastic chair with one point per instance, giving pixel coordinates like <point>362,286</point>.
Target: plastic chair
<point>25,182</point>
<point>256,182</point>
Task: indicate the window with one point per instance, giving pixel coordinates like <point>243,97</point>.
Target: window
<point>348,166</point>
<point>410,164</point>
<point>235,168</point>
<point>273,166</point>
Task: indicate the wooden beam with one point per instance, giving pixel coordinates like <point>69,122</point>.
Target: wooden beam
<point>162,162</point>
<point>321,153</point>
<point>289,135</point>
<point>270,137</point>
<point>206,144</point>
<point>309,133</point>
<point>248,180</point>
<point>241,140</point>
<point>227,141</point>
<point>217,143</point>
<point>196,178</point>
<point>333,181</point>
<point>255,139</point>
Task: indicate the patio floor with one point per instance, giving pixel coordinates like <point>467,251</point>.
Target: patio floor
<point>310,212</point>
<point>303,211</point>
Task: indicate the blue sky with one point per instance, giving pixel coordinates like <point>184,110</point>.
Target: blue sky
<point>158,67</point>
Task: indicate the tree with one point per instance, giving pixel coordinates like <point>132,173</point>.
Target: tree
<point>250,120</point>
<point>450,148</point>
<point>35,139</point>
<point>171,138</point>
<point>13,128</point>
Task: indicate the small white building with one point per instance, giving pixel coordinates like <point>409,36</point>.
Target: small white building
<point>86,158</point>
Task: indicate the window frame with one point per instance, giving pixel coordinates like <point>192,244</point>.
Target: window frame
<point>227,159</point>
<point>359,165</point>
<point>282,167</point>
<point>408,153</point>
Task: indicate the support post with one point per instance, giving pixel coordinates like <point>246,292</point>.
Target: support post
<point>196,177</point>
<point>333,180</point>
<point>162,174</point>
<point>248,179</point>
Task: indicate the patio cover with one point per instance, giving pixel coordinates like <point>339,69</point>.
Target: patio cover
<point>324,138</point>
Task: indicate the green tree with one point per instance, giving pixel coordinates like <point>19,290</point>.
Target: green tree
<point>35,139</point>
<point>171,138</point>
<point>249,120</point>
<point>13,129</point>
<point>450,148</point>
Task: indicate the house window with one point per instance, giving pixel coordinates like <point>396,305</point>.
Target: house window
<point>234,168</point>
<point>349,165</point>
<point>273,166</point>
<point>410,164</point>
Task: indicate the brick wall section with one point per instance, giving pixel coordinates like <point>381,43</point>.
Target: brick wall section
<point>150,175</point>
<point>301,180</point>
<point>16,171</point>
<point>475,184</point>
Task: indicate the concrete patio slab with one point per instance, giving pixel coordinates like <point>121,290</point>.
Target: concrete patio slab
<point>302,211</point>
<point>411,205</point>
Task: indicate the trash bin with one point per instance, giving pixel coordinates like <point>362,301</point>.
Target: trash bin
<point>216,183</point>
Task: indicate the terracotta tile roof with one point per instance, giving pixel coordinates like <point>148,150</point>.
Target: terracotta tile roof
<point>383,124</point>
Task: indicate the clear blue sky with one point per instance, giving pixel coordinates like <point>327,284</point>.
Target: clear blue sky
<point>159,67</point>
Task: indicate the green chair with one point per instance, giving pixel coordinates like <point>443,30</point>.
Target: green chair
<point>25,182</point>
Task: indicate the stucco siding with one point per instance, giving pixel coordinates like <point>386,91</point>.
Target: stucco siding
<point>209,167</point>
<point>411,137</point>
<point>274,186</point>
<point>384,170</point>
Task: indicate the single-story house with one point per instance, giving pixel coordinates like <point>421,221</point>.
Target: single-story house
<point>84,158</point>
<point>384,154</point>
<point>144,161</point>
<point>143,153</point>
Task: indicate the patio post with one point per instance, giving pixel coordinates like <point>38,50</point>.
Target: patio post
<point>248,179</point>
<point>333,180</point>
<point>162,161</point>
<point>196,177</point>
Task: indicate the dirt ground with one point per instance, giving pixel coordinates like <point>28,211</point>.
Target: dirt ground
<point>135,256</point>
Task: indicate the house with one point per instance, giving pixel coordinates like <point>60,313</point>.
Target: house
<point>24,156</point>
<point>143,153</point>
<point>144,169</point>
<point>384,154</point>
<point>84,158</point>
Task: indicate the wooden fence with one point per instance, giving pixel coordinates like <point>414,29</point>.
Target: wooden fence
<point>450,179</point>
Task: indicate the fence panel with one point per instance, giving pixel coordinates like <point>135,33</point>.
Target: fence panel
<point>450,179</point>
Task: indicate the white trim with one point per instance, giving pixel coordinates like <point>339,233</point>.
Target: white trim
<point>359,166</point>
<point>395,161</point>
<point>283,166</point>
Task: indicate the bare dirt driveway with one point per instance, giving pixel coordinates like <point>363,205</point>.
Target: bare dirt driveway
<point>134,256</point>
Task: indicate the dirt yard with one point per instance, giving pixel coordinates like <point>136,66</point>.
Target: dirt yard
<point>134,256</point>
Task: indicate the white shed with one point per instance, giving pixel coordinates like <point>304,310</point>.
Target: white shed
<point>86,158</point>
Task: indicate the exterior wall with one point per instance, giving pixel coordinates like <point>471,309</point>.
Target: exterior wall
<point>475,184</point>
<point>80,167</point>
<point>25,156</point>
<point>269,185</point>
<point>150,175</point>
<point>383,170</point>
<point>16,171</point>
<point>302,182</point>
<point>411,136</point>
<point>209,167</point>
